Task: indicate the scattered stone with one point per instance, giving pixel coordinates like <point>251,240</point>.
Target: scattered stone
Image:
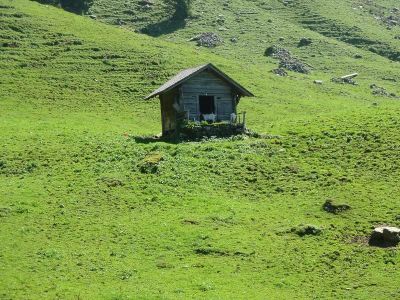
<point>339,80</point>
<point>389,79</point>
<point>333,208</point>
<point>295,65</point>
<point>305,42</point>
<point>207,39</point>
<point>385,236</point>
<point>304,230</point>
<point>280,72</point>
<point>392,20</point>
<point>347,79</point>
<point>286,60</point>
<point>318,82</point>
<point>381,91</point>
<point>277,52</point>
<point>234,40</point>
<point>358,56</point>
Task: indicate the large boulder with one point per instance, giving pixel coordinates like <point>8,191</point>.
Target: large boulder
<point>385,236</point>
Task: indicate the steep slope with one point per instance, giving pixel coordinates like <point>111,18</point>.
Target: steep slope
<point>248,28</point>
<point>372,26</point>
<point>256,24</point>
<point>81,218</point>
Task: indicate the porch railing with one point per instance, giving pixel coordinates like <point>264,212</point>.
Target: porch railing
<point>237,119</point>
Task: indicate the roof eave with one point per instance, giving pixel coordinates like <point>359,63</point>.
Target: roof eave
<point>243,91</point>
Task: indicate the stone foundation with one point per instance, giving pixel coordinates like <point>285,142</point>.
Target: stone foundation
<point>194,131</point>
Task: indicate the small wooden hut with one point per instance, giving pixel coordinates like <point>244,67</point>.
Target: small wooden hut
<point>197,94</point>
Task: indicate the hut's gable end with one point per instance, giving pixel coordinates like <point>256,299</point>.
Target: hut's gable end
<point>208,84</point>
<point>188,74</point>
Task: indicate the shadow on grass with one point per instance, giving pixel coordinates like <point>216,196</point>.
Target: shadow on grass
<point>181,11</point>
<point>80,7</point>
<point>165,26</point>
<point>155,139</point>
<point>380,243</point>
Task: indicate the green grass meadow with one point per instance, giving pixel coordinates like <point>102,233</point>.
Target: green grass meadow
<point>80,219</point>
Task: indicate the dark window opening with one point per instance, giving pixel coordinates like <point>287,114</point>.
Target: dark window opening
<point>206,104</point>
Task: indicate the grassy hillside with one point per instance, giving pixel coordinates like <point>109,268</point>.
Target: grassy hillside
<point>256,24</point>
<point>80,216</point>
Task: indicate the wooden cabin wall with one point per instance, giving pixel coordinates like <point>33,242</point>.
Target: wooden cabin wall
<point>168,113</point>
<point>206,83</point>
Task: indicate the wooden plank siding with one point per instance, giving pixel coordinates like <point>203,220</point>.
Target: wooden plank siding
<point>207,84</point>
<point>168,113</point>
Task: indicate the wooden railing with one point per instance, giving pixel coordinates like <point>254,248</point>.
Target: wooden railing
<point>238,119</point>
<point>241,119</point>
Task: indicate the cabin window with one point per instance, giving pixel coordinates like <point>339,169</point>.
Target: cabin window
<point>207,105</point>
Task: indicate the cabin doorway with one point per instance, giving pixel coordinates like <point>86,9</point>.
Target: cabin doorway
<point>207,105</point>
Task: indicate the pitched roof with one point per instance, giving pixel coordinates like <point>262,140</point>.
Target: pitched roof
<point>189,73</point>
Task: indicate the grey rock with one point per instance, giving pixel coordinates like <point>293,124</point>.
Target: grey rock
<point>207,39</point>
<point>286,60</point>
<point>385,236</point>
<point>280,72</point>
